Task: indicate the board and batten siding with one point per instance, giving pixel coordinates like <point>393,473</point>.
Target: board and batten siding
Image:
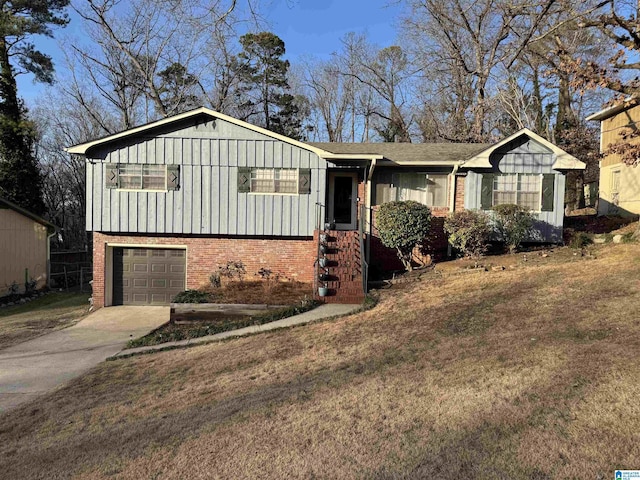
<point>528,157</point>
<point>207,201</point>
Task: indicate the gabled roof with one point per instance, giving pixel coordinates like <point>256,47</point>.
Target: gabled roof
<point>81,149</point>
<point>564,161</point>
<point>405,153</point>
<point>609,112</point>
<point>4,203</point>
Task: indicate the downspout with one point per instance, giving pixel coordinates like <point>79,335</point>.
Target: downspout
<point>452,200</point>
<point>372,167</point>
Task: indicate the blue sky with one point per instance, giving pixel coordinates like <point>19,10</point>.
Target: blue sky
<point>308,27</point>
<point>316,26</point>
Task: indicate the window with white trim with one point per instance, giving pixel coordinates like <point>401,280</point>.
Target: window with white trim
<point>521,189</point>
<point>428,189</point>
<point>142,176</point>
<point>274,180</point>
<point>615,187</point>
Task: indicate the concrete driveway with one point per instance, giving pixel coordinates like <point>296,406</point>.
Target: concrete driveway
<point>48,362</point>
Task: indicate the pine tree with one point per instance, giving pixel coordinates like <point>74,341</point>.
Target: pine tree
<point>263,85</point>
<point>20,178</point>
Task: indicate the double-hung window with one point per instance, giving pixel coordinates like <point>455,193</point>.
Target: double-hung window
<point>534,192</point>
<point>520,189</point>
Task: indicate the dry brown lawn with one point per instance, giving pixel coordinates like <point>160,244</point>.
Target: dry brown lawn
<point>528,373</point>
<point>54,311</point>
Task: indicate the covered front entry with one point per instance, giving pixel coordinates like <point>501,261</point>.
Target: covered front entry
<point>147,276</point>
<point>343,200</point>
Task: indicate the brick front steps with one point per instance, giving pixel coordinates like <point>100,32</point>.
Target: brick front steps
<point>344,268</point>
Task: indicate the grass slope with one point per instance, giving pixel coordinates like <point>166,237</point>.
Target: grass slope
<point>43,315</point>
<point>529,373</point>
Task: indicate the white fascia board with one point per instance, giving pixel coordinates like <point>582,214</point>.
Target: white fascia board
<point>564,161</point>
<point>609,112</point>
<point>82,148</point>
<point>351,156</point>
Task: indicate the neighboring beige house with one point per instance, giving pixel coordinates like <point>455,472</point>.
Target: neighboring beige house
<point>619,183</point>
<point>24,247</point>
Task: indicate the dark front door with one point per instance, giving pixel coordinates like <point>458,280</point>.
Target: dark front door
<point>147,276</point>
<point>343,189</point>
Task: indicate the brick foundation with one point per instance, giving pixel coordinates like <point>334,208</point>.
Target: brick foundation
<point>291,258</point>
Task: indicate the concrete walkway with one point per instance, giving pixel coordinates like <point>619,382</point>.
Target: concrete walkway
<point>45,363</point>
<point>327,310</point>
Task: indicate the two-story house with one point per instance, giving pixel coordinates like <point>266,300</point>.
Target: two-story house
<point>619,183</point>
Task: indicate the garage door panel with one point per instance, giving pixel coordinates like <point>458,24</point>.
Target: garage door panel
<point>159,298</point>
<point>158,268</point>
<point>147,276</point>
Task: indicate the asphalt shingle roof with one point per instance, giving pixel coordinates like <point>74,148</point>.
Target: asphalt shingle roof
<point>408,152</point>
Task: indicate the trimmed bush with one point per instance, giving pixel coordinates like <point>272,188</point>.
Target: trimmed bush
<point>191,296</point>
<point>513,224</point>
<point>469,232</point>
<point>403,225</point>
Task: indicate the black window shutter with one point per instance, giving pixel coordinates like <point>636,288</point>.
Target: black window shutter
<point>244,179</point>
<point>304,181</point>
<point>111,176</point>
<point>173,177</point>
<point>486,194</point>
<point>548,182</point>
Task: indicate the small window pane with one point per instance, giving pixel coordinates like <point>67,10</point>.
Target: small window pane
<point>529,191</point>
<point>505,189</point>
<point>130,176</point>
<point>286,181</point>
<point>153,177</point>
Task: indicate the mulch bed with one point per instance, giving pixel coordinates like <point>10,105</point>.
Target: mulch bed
<point>261,292</point>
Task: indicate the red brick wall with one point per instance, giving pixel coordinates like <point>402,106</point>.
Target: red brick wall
<point>291,258</point>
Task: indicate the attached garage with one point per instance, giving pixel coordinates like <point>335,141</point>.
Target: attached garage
<point>147,276</point>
